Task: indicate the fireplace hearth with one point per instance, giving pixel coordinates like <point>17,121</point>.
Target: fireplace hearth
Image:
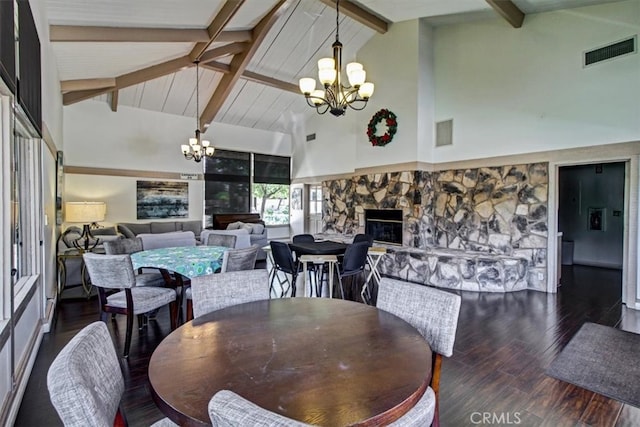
<point>385,225</point>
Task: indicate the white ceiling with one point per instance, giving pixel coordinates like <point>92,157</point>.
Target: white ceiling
<point>290,50</point>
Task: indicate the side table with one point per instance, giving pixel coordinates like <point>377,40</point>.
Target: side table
<point>69,254</point>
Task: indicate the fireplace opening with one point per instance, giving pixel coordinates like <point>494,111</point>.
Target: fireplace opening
<point>385,225</point>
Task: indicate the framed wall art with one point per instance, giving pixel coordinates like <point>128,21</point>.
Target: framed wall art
<point>162,199</point>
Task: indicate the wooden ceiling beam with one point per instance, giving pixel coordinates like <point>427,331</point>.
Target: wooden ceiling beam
<point>226,50</point>
<point>112,98</point>
<point>254,77</point>
<point>240,62</point>
<point>86,84</point>
<point>76,33</point>
<point>360,15</point>
<point>509,11</point>
<point>221,19</point>
<point>150,73</point>
<point>130,79</point>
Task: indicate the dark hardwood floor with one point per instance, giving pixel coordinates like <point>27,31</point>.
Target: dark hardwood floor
<point>495,376</point>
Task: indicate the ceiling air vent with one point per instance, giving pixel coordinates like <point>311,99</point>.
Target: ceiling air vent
<point>623,47</point>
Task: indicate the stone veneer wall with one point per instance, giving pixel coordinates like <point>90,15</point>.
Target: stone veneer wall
<point>499,210</point>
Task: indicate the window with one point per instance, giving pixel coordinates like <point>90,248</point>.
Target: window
<point>232,185</point>
<point>227,186</point>
<point>25,206</point>
<point>271,179</point>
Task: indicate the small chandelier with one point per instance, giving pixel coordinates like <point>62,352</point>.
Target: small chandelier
<point>197,148</point>
<point>335,97</point>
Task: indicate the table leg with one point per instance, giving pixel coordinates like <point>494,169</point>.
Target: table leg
<point>331,266</point>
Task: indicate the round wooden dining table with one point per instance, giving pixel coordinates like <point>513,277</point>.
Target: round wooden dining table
<point>320,361</point>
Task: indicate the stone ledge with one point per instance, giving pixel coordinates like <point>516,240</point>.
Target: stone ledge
<point>456,269</point>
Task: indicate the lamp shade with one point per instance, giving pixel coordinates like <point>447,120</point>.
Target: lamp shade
<point>85,212</point>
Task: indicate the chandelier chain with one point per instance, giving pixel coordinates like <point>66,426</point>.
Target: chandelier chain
<point>337,20</point>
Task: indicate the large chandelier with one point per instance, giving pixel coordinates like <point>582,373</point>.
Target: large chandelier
<point>197,149</point>
<point>336,97</point>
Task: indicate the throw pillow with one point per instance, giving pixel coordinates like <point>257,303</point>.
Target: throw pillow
<point>248,227</point>
<point>258,228</point>
<point>126,231</point>
<point>235,225</point>
<point>105,231</point>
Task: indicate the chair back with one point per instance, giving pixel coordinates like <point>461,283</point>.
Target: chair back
<point>220,290</point>
<point>355,258</point>
<point>110,271</point>
<point>363,238</point>
<point>85,381</point>
<point>225,240</point>
<point>282,257</point>
<point>171,239</point>
<point>303,238</point>
<point>123,246</point>
<point>433,312</point>
<point>239,259</point>
<point>227,409</point>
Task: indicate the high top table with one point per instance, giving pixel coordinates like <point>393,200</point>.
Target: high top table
<point>317,360</point>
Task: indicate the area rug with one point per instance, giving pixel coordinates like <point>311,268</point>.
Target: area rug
<point>604,360</point>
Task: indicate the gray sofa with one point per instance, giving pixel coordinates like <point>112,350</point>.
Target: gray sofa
<point>132,229</point>
<point>127,230</point>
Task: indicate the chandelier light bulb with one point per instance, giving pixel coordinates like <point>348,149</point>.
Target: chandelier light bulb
<point>317,97</point>
<point>356,77</point>
<point>327,76</point>
<point>307,85</point>
<point>185,149</point>
<point>366,90</point>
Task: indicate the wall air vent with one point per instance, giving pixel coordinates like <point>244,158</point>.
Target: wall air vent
<point>444,133</point>
<point>311,137</point>
<point>613,50</point>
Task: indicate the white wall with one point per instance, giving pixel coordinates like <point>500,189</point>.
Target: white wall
<point>141,140</point>
<point>342,145</point>
<point>508,91</point>
<point>512,91</point>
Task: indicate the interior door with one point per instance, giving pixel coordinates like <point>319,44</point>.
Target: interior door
<point>314,217</point>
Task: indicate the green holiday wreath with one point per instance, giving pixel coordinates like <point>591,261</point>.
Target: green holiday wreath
<point>383,116</point>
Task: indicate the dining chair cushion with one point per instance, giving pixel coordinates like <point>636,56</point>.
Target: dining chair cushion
<point>433,312</point>
<point>150,279</point>
<point>84,381</point>
<point>228,409</point>
<point>145,298</point>
<point>421,414</point>
<point>220,290</point>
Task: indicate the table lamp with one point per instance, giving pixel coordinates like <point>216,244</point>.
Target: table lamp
<point>86,213</point>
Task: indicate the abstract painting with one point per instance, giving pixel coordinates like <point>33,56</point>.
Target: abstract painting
<point>160,199</point>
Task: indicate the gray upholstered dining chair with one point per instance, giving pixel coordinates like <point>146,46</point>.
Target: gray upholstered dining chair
<point>220,290</point>
<point>239,259</point>
<point>226,240</point>
<point>228,409</point>
<point>116,272</point>
<point>131,246</point>
<point>85,381</point>
<point>434,313</point>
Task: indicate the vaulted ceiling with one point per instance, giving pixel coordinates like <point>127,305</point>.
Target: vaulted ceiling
<point>251,53</point>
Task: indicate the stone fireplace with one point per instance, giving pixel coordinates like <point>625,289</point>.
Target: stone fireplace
<point>496,211</point>
<point>385,225</point>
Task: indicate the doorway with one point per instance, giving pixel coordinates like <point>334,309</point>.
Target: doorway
<point>313,221</point>
<point>591,216</point>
